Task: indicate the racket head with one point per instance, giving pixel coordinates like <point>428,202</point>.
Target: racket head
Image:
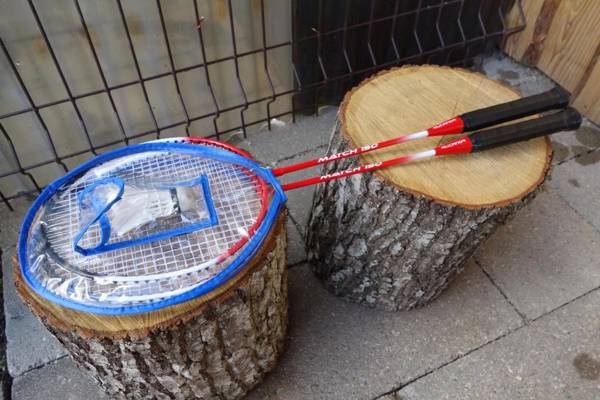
<point>166,270</point>
<point>207,142</point>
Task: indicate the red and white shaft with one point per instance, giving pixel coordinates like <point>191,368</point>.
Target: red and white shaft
<point>458,146</point>
<point>452,126</point>
<point>469,121</point>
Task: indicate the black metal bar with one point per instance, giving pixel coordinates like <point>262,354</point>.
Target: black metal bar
<point>460,26</point>
<point>437,25</point>
<point>393,30</point>
<point>6,201</point>
<point>441,46</point>
<point>481,23</point>
<point>320,57</point>
<point>459,21</point>
<point>265,62</point>
<point>370,32</point>
<point>298,83</point>
<point>416,29</point>
<point>172,64</point>
<point>501,15</point>
<point>237,67</point>
<point>217,112</point>
<point>61,74</point>
<point>137,67</point>
<point>344,44</point>
<point>106,90</point>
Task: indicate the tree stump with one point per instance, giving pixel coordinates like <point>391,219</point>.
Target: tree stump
<point>215,347</point>
<point>394,239</point>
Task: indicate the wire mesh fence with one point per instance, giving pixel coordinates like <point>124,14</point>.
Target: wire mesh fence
<point>81,77</point>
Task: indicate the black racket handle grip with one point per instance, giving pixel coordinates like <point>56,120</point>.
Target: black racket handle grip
<point>552,99</point>
<point>568,119</point>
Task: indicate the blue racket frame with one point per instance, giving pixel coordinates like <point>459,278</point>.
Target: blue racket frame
<point>233,269</point>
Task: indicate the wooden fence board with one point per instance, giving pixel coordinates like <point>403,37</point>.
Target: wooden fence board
<point>571,42</point>
<point>588,100</point>
<point>562,38</point>
<point>517,44</point>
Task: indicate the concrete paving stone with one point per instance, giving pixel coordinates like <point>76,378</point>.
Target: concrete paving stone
<point>307,133</point>
<point>555,357</point>
<point>295,250</point>
<point>570,144</point>
<point>578,182</point>
<point>527,80</point>
<point>28,343</point>
<point>10,221</point>
<point>58,380</point>
<point>545,257</point>
<point>339,350</point>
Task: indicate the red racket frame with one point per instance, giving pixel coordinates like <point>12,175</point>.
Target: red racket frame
<point>263,189</point>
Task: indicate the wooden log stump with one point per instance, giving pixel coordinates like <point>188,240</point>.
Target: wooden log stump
<point>218,346</point>
<point>396,238</point>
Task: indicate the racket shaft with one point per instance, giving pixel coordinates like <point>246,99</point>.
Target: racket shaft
<point>349,153</point>
<point>477,119</point>
<point>359,170</point>
<point>457,146</point>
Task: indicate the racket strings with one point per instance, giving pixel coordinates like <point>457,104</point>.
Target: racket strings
<point>155,270</point>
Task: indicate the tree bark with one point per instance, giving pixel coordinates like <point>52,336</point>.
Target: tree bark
<point>395,246</point>
<point>218,350</point>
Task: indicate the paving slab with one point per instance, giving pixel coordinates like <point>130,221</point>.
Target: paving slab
<point>10,221</point>
<point>545,257</point>
<point>578,182</point>
<point>288,139</point>
<point>58,380</point>
<point>526,80</point>
<point>28,343</point>
<point>295,250</point>
<point>555,357</point>
<point>570,144</point>
<point>340,350</point>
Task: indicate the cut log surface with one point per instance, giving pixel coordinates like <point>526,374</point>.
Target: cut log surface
<point>396,238</point>
<point>216,347</point>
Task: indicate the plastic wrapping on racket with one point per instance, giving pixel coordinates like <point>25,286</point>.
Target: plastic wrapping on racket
<point>148,274</point>
<point>114,216</point>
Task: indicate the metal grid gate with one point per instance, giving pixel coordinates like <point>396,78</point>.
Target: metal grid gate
<point>205,68</point>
